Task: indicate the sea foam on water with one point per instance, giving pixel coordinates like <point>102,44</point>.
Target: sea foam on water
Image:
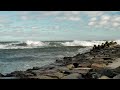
<point>83,43</point>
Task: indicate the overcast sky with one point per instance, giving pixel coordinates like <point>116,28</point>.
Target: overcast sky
<point>59,25</point>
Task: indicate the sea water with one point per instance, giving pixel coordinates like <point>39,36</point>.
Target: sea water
<point>22,55</point>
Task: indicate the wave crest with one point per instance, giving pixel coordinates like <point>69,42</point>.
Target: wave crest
<point>83,43</point>
<point>35,43</point>
<point>39,44</point>
<point>22,45</point>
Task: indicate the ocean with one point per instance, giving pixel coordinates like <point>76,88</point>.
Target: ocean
<point>22,55</point>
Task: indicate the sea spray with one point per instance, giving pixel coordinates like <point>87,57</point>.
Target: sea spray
<point>83,43</point>
<point>29,44</point>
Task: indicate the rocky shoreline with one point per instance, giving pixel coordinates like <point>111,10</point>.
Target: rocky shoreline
<point>101,62</point>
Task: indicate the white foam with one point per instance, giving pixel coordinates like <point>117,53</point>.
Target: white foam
<point>118,42</point>
<point>29,44</point>
<point>35,43</point>
<point>2,46</point>
<point>83,43</point>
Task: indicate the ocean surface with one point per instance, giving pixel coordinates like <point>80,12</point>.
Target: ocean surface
<point>22,55</point>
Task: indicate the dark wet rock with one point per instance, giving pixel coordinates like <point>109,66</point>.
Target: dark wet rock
<point>63,68</point>
<point>58,75</point>
<point>117,76</point>
<point>9,78</point>
<point>107,72</point>
<point>42,77</point>
<point>36,68</point>
<point>59,61</point>
<point>21,74</point>
<point>98,47</point>
<point>104,77</point>
<point>82,71</point>
<point>70,66</point>
<point>117,70</point>
<point>47,74</point>
<point>107,58</point>
<point>109,61</point>
<point>92,75</point>
<point>36,72</point>
<point>94,47</point>
<point>66,72</point>
<point>98,65</point>
<point>104,46</point>
<point>73,76</point>
<point>67,58</point>
<point>1,75</point>
<point>75,65</point>
<point>85,64</point>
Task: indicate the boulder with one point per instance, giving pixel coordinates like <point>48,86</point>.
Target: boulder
<point>36,72</point>
<point>107,58</point>
<point>82,71</point>
<point>9,78</point>
<point>75,65</point>
<point>67,59</point>
<point>21,74</point>
<point>117,70</point>
<point>64,70</point>
<point>70,66</point>
<point>117,76</point>
<point>94,47</point>
<point>104,77</point>
<point>41,77</point>
<point>61,69</point>
<point>59,61</point>
<point>73,76</point>
<point>98,65</point>
<point>92,75</point>
<point>107,72</point>
<point>1,75</point>
<point>58,75</point>
<point>85,65</point>
<point>36,68</point>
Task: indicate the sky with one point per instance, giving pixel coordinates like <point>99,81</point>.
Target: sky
<point>59,25</point>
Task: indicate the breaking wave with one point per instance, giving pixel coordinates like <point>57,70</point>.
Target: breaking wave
<point>83,43</point>
<point>22,45</point>
<point>40,44</point>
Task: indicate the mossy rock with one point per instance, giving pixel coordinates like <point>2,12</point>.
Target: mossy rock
<point>70,66</point>
<point>104,77</point>
<point>98,65</point>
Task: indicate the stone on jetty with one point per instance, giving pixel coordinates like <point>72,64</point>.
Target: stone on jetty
<point>117,70</point>
<point>42,77</point>
<point>117,77</point>
<point>58,75</point>
<point>92,75</point>
<point>75,65</point>
<point>85,64</point>
<point>73,76</point>
<point>107,72</point>
<point>104,77</point>
<point>21,74</point>
<point>104,45</point>
<point>70,66</point>
<point>98,65</point>
<point>1,75</point>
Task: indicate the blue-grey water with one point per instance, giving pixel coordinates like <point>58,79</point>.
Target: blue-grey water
<point>16,56</point>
